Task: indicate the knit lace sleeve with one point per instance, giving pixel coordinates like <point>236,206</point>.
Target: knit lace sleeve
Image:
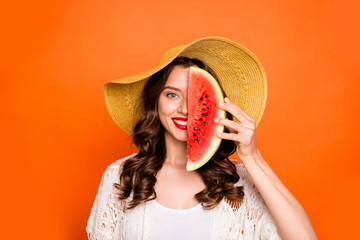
<point>249,220</point>
<point>257,213</point>
<point>106,211</point>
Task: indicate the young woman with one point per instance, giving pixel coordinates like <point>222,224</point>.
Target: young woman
<point>150,195</point>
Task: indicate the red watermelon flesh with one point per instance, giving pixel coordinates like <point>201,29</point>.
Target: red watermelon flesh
<point>204,94</point>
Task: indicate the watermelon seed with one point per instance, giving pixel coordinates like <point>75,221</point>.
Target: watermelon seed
<point>197,139</point>
<point>194,134</point>
<point>200,119</point>
<point>206,95</point>
<point>203,109</point>
<point>208,107</point>
<point>195,128</point>
<point>204,104</point>
<point>202,114</point>
<point>204,123</point>
<point>201,98</point>
<point>199,129</point>
<point>206,114</point>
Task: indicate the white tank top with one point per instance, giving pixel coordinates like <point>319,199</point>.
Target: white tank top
<point>178,224</point>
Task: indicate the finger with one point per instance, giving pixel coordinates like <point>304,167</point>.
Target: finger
<point>237,108</point>
<point>236,111</point>
<point>231,125</point>
<point>229,136</point>
<point>229,108</point>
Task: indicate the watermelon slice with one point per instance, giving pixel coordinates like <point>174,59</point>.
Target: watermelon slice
<point>204,94</point>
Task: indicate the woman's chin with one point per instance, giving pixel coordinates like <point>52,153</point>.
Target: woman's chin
<point>177,136</point>
<point>182,139</point>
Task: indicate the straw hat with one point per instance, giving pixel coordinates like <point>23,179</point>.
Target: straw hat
<point>240,73</point>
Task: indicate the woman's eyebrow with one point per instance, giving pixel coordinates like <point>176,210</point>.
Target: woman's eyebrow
<point>173,88</point>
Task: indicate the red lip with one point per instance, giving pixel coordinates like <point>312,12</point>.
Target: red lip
<point>178,125</point>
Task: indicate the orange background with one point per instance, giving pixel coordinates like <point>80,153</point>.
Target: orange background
<point>57,137</point>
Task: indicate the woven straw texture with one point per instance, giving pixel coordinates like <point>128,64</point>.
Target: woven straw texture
<point>240,73</point>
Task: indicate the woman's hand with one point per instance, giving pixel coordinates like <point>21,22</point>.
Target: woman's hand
<point>242,133</point>
<point>290,217</point>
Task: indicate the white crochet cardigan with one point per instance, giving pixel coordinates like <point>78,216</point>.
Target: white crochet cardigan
<point>252,220</point>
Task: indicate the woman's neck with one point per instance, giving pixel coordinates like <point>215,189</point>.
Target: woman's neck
<point>176,155</point>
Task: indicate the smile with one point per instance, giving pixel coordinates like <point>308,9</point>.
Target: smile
<point>180,123</point>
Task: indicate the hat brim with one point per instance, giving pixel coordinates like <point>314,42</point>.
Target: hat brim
<point>240,73</point>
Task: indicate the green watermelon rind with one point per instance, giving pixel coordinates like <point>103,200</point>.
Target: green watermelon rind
<point>214,145</point>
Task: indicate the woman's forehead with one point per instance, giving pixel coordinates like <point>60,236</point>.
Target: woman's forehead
<point>178,77</point>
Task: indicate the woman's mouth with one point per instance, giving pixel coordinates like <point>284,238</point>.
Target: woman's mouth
<point>180,123</point>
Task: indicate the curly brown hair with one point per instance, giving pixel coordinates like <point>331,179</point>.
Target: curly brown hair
<point>138,173</point>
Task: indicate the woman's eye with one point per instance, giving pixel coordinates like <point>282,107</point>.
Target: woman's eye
<point>171,95</point>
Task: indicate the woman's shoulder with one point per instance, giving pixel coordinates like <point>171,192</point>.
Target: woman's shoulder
<point>240,168</point>
<point>112,171</point>
<point>245,179</point>
<point>252,194</point>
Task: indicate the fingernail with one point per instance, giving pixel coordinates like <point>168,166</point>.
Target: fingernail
<point>226,99</point>
<point>216,120</point>
<point>221,104</point>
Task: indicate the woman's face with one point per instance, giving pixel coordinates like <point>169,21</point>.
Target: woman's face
<point>173,104</point>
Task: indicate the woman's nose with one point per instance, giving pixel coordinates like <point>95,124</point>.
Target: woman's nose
<point>183,107</point>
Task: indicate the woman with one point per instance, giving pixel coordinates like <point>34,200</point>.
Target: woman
<point>150,195</point>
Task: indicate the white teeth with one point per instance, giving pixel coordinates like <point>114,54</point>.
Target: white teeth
<point>184,123</point>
